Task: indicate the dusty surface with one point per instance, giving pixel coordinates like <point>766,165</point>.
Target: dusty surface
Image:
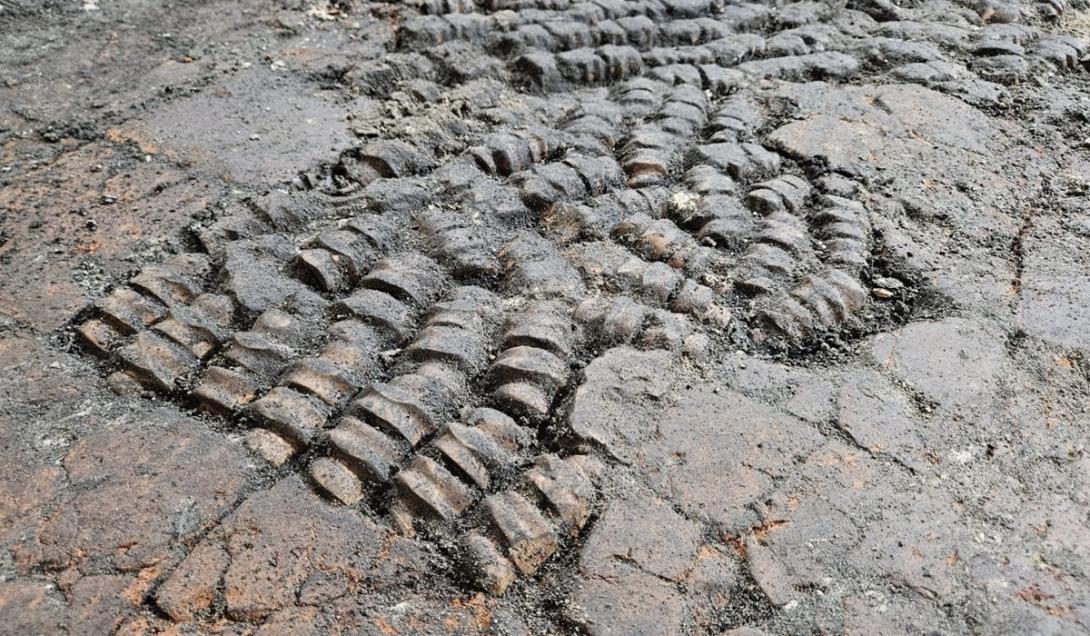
<point>544,316</point>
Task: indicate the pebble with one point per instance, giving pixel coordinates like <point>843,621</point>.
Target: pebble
<point>881,293</point>
<point>888,283</point>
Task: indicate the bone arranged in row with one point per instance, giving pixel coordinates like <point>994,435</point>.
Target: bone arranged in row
<point>716,64</point>
<point>379,315</point>
<point>451,346</point>
<point>1009,52</point>
<point>713,66</point>
<point>487,444</point>
<point>637,218</point>
<point>521,528</point>
<point>288,417</point>
<point>622,272</point>
<point>742,161</point>
<point>532,368</point>
<point>710,209</point>
<point>595,219</point>
<point>660,239</point>
<point>389,419</point>
<point>622,320</point>
<point>441,7</point>
<point>248,222</point>
<point>598,10</point>
<point>250,360</point>
<point>596,52</point>
<point>712,181</point>
<point>576,176</point>
<point>336,259</point>
<point>386,159</point>
<point>778,250</point>
<point>384,428</point>
<point>637,31</point>
<point>519,154</point>
<point>727,52</point>
<point>441,23</point>
<point>468,458</point>
<point>717,80</point>
<point>612,62</point>
<point>784,241</point>
<point>843,227</point>
<point>583,67</point>
<point>640,96</point>
<point>735,120</point>
<point>821,302</point>
<point>433,112</point>
<point>424,32</point>
<point>643,23</point>
<point>597,125</point>
<point>506,153</point>
<point>526,376</point>
<point>161,326</point>
<point>146,300</point>
<point>460,243</point>
<point>655,149</point>
<point>533,267</point>
<point>594,127</point>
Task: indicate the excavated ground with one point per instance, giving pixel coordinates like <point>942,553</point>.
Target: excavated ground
<point>544,316</point>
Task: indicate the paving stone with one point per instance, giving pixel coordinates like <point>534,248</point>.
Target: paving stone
<point>711,585</point>
<point>882,614</point>
<point>769,574</point>
<point>297,620</point>
<point>193,586</point>
<point>101,603</point>
<point>881,418</point>
<point>643,532</point>
<point>915,537</point>
<point>803,535</point>
<point>629,603</point>
<point>1054,284</point>
<point>607,405</point>
<point>740,441</point>
<point>141,487</point>
<point>32,607</point>
<point>953,361</point>
<point>279,539</point>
